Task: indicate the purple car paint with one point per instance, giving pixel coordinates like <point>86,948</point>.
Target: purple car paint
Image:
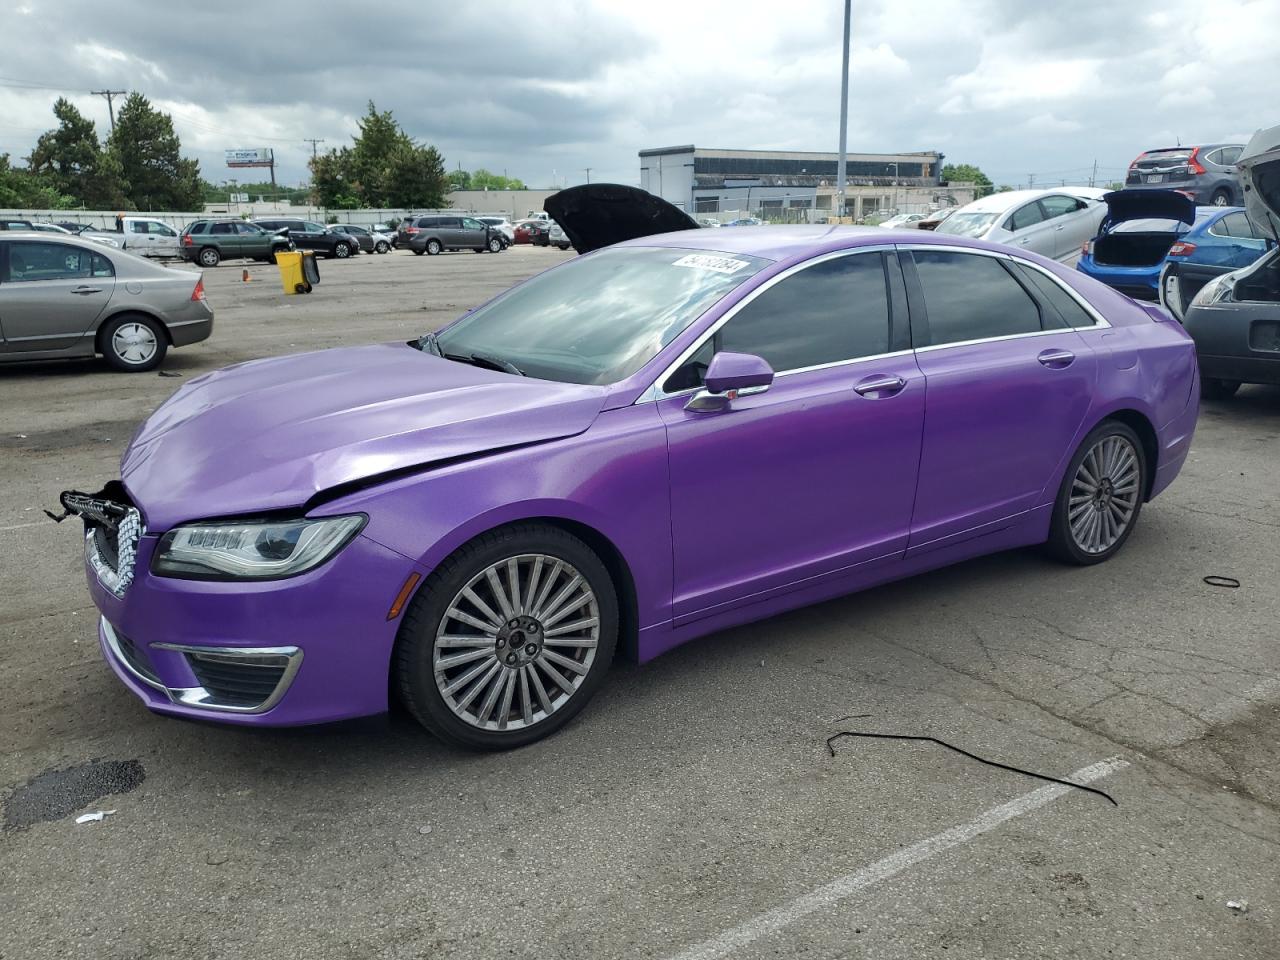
<point>804,484</point>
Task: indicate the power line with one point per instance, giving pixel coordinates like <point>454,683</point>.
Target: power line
<point>111,109</point>
<point>313,141</point>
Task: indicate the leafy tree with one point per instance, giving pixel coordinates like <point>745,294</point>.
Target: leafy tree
<point>70,160</point>
<point>484,180</point>
<point>459,179</point>
<point>383,167</point>
<point>23,189</point>
<point>151,159</point>
<point>967,173</point>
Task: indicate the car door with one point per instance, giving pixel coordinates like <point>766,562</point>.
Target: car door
<point>1070,222</point>
<point>1007,386</point>
<point>450,231</point>
<point>1030,231</point>
<point>252,241</point>
<point>164,239</point>
<point>226,237</point>
<point>50,294</point>
<point>817,473</point>
<point>473,233</point>
<point>137,239</point>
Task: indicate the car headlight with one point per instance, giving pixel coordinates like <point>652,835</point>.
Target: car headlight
<point>1219,288</point>
<point>252,549</point>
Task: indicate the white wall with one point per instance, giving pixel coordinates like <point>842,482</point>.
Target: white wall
<point>670,176</point>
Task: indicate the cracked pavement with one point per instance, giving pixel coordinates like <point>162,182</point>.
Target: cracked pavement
<point>696,792</point>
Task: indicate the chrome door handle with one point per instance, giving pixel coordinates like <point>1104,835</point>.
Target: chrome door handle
<point>1056,358</point>
<point>1059,226</point>
<point>85,291</point>
<point>887,385</point>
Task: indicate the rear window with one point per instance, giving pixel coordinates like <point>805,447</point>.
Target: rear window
<point>1179,153</point>
<point>1150,225</point>
<point>200,226</point>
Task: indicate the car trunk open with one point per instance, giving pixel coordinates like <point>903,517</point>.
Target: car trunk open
<point>1141,226</point>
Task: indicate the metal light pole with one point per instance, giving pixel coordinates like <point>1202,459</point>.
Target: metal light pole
<point>844,111</point>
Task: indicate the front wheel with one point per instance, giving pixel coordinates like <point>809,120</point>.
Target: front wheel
<point>1211,389</point>
<point>133,343</point>
<point>433,247</point>
<point>495,245</point>
<point>1100,497</point>
<point>1221,197</point>
<point>382,247</point>
<point>508,639</point>
<point>342,251</point>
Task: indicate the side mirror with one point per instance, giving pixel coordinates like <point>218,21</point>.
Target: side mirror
<point>729,376</point>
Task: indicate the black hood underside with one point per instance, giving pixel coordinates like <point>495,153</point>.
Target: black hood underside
<point>597,215</point>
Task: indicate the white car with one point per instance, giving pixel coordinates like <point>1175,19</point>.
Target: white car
<point>1053,223</point>
<point>503,225</point>
<point>902,220</point>
<point>556,236</point>
<point>54,228</point>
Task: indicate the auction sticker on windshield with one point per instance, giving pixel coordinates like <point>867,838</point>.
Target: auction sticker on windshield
<point>703,261</point>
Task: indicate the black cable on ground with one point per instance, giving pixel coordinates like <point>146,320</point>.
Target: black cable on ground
<point>972,756</point>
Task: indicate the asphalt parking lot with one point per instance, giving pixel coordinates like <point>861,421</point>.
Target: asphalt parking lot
<point>693,810</point>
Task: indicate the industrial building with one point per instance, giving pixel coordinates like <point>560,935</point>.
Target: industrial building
<point>796,185</point>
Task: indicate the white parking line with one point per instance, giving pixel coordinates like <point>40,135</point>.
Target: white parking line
<point>23,526</point>
<point>828,895</point>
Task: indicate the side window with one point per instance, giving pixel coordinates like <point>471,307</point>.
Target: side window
<point>1057,206</point>
<point>248,229</point>
<point>472,224</point>
<point>835,310</point>
<point>1051,292</point>
<point>161,230</point>
<point>102,266</point>
<point>971,297</point>
<point>310,227</point>
<point>1229,155</point>
<point>47,261</point>
<point>1025,216</point>
<point>450,222</point>
<point>137,226</point>
<point>1236,225</point>
<point>222,228</point>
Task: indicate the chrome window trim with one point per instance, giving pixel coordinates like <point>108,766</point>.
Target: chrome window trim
<point>654,392</point>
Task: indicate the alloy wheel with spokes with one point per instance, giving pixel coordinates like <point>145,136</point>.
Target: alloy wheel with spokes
<point>1101,495</point>
<point>508,638</point>
<point>1104,494</point>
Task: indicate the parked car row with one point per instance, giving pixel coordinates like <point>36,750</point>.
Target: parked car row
<point>436,233</point>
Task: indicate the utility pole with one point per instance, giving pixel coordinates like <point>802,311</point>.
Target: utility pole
<point>844,111</point>
<point>111,109</point>
<point>313,141</point>
<point>588,169</point>
<point>1094,176</point>
<point>1031,181</point>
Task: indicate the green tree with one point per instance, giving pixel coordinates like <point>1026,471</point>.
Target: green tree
<point>70,160</point>
<point>459,179</point>
<point>967,173</point>
<point>484,180</point>
<point>151,160</point>
<point>383,167</point>
<point>23,189</point>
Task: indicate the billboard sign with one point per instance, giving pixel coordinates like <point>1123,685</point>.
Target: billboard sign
<point>251,157</point>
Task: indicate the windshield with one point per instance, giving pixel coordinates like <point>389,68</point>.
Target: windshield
<point>967,224</point>
<point>600,318</point>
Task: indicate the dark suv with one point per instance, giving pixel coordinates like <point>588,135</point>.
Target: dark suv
<point>309,235</point>
<point>438,232</point>
<point>1206,174</point>
<point>209,242</point>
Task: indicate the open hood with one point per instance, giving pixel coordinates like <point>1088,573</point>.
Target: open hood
<point>270,434</point>
<point>597,215</point>
<point>1260,172</point>
<point>1125,205</point>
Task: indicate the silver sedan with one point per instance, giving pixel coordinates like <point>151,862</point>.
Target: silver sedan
<point>64,297</point>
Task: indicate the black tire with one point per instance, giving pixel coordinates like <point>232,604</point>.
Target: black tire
<point>415,640</point>
<point>1222,197</point>
<point>111,349</point>
<point>417,252</point>
<point>341,250</point>
<point>434,247</point>
<point>1061,544</point>
<point>209,257</point>
<point>382,247</point>
<point>495,245</point>
<point>1211,389</point>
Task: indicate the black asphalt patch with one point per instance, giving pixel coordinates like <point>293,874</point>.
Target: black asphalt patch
<point>54,794</point>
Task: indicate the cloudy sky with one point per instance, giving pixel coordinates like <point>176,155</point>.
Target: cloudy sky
<point>545,90</point>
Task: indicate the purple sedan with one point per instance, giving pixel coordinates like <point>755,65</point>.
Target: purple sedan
<point>663,438</point>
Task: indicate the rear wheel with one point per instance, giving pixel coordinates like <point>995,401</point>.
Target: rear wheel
<point>1212,389</point>
<point>1101,496</point>
<point>495,245</point>
<point>1221,197</point>
<point>341,251</point>
<point>210,257</point>
<point>433,247</point>
<point>133,343</point>
<point>508,639</point>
